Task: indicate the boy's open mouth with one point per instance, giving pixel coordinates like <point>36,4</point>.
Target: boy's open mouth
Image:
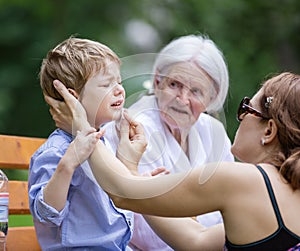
<point>117,103</point>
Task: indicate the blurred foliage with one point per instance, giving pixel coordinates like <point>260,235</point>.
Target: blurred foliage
<point>258,38</point>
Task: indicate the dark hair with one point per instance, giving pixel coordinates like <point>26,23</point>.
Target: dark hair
<point>284,91</point>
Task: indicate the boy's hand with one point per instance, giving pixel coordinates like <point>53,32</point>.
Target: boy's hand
<point>82,146</point>
<point>132,143</point>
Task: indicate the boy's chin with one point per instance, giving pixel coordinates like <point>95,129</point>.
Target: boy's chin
<point>118,118</point>
<point>117,115</point>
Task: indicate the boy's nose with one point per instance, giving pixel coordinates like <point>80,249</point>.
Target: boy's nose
<point>118,89</point>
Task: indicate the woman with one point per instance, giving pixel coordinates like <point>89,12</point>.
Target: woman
<point>190,79</point>
<point>259,199</point>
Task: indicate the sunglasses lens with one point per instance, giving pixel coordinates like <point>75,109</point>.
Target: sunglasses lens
<point>242,108</point>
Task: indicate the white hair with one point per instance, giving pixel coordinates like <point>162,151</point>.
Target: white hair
<point>205,54</point>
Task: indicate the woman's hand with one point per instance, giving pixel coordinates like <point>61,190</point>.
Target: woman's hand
<point>60,113</point>
<point>132,143</point>
<point>157,171</point>
<point>69,115</point>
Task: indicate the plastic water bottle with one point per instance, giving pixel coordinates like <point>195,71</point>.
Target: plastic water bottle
<point>4,195</point>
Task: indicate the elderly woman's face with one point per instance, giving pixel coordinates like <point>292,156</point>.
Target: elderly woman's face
<point>183,94</point>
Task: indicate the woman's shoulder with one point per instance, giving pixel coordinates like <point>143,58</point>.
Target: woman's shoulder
<point>230,172</point>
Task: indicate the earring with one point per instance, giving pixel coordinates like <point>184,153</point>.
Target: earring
<point>263,142</point>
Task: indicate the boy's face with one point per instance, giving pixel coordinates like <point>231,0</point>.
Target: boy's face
<point>103,96</point>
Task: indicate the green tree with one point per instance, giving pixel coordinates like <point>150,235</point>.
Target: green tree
<point>257,37</point>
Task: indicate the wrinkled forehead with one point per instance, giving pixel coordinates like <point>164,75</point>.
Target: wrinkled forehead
<point>187,73</point>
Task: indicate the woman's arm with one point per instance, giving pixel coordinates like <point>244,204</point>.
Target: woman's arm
<point>180,233</point>
<point>195,192</point>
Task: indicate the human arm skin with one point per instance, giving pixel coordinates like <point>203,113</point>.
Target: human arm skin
<point>56,190</point>
<point>180,232</point>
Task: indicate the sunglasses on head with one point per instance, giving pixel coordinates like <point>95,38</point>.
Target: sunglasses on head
<point>245,108</point>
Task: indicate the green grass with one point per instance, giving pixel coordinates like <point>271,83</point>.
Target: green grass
<point>20,220</point>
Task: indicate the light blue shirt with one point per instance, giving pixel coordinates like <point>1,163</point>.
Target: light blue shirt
<point>89,220</point>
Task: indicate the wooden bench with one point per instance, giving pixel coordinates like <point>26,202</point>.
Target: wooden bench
<point>15,153</point>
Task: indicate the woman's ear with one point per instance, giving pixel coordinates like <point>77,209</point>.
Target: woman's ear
<point>270,132</point>
<point>73,92</point>
<point>156,81</point>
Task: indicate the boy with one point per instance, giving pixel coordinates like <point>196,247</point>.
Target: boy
<point>70,210</point>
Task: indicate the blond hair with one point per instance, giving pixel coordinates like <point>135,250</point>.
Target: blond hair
<point>73,62</point>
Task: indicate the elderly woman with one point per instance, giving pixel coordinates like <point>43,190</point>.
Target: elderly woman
<point>259,199</point>
<point>190,79</point>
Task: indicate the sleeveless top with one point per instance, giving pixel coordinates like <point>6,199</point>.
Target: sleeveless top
<point>281,240</point>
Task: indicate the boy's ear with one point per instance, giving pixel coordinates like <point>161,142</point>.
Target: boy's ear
<point>73,92</point>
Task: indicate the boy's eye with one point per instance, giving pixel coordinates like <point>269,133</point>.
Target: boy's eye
<point>112,84</point>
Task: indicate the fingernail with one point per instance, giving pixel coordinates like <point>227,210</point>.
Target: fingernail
<point>57,83</point>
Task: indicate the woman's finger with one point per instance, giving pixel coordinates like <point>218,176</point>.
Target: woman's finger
<point>50,101</point>
<point>63,91</point>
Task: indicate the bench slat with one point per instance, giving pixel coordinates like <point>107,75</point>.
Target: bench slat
<point>15,153</point>
<point>22,238</point>
<point>18,197</point>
